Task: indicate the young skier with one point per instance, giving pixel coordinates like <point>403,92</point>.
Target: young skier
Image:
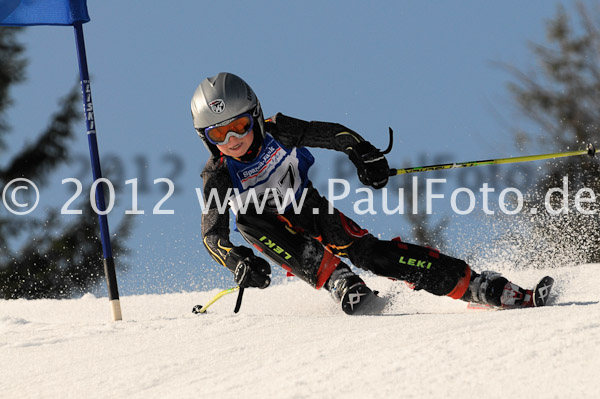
<point>252,158</point>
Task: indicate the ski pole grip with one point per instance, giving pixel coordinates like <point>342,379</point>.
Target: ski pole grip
<point>389,148</point>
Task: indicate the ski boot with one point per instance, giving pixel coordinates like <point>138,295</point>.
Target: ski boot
<point>352,293</point>
<point>491,289</point>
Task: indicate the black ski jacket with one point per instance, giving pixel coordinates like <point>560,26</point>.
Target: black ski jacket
<point>288,131</point>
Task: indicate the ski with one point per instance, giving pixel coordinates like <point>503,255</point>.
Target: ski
<point>481,306</point>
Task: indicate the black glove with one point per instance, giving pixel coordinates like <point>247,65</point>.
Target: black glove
<point>248,270</point>
<point>372,167</point>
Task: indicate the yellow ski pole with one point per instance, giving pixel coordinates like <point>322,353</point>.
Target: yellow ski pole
<point>199,309</point>
<point>590,150</point>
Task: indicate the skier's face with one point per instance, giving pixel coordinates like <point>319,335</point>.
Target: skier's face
<point>237,146</point>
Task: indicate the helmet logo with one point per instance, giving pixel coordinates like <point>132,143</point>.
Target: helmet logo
<point>217,106</point>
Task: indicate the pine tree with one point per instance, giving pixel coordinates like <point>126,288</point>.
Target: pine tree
<point>562,100</point>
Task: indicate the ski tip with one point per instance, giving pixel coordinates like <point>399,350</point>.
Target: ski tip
<point>541,294</point>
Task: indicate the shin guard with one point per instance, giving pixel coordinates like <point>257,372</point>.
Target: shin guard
<point>423,267</point>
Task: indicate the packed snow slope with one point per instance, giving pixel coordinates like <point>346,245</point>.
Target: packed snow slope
<point>289,341</point>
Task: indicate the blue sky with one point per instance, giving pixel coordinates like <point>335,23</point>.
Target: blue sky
<point>425,68</point>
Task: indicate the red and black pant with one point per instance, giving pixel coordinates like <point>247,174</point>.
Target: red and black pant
<point>309,245</point>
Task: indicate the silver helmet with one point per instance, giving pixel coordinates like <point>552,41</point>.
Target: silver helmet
<point>222,97</point>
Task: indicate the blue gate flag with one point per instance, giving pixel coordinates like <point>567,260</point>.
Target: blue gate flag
<point>42,12</point>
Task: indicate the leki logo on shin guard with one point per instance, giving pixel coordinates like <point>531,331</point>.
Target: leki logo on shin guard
<point>276,248</point>
<point>415,262</point>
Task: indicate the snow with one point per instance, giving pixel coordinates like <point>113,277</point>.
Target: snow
<point>289,341</point>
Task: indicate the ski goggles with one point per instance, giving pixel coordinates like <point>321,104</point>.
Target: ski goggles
<point>220,133</point>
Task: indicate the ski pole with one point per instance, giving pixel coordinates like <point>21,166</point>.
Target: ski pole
<point>590,150</point>
<point>238,302</point>
<point>198,309</point>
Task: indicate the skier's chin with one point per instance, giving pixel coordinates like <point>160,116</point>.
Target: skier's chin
<point>237,150</point>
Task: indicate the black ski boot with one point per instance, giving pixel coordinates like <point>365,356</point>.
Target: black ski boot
<point>352,293</point>
<point>491,289</point>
